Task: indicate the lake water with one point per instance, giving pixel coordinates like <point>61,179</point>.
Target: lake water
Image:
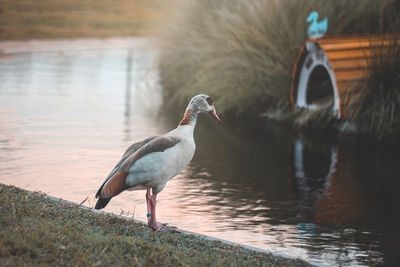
<point>69,109</point>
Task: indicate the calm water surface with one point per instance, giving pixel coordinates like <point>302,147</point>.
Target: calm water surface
<point>68,110</point>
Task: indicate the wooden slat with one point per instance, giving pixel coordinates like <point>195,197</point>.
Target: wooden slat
<point>365,44</point>
<point>353,38</point>
<point>354,54</point>
<point>358,63</point>
<point>349,86</point>
<point>351,75</point>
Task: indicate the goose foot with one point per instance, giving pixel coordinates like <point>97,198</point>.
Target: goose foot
<point>151,214</point>
<point>162,227</point>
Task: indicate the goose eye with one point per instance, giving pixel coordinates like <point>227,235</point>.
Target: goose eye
<point>209,101</point>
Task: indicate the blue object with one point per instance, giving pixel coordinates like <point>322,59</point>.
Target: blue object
<point>148,214</point>
<point>316,29</point>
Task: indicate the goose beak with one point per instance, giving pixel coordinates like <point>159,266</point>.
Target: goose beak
<point>213,114</point>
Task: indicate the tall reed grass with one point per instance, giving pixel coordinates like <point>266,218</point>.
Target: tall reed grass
<point>242,52</point>
<point>378,110</point>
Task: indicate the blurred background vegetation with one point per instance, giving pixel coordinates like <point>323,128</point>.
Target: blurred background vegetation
<point>242,53</point>
<point>43,19</point>
<point>239,52</point>
<point>378,111</point>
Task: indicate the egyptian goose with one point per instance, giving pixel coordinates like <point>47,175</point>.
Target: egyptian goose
<point>151,163</point>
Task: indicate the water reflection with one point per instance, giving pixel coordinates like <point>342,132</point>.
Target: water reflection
<point>348,206</point>
<point>67,116</point>
<point>313,168</point>
<point>128,88</point>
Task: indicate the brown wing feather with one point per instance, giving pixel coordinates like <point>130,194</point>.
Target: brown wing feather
<point>130,151</point>
<point>158,144</point>
<point>115,185</point>
<point>116,180</point>
<point>135,147</point>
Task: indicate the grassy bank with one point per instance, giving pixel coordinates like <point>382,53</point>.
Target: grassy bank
<point>242,52</point>
<point>44,19</point>
<point>38,231</point>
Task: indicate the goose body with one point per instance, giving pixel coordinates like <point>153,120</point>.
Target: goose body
<point>151,163</point>
<point>168,162</point>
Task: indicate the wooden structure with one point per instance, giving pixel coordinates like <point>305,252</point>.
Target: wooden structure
<point>344,61</point>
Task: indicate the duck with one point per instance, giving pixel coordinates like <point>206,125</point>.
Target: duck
<point>149,164</point>
<point>316,29</point>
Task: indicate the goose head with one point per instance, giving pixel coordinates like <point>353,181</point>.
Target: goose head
<point>203,104</point>
<point>313,16</point>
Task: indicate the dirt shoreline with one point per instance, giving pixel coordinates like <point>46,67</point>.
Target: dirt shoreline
<point>37,229</point>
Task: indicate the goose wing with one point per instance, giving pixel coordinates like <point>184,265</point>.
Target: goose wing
<point>116,180</point>
<point>129,152</point>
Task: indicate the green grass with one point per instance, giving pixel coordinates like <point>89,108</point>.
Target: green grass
<point>242,52</point>
<point>35,230</point>
<point>43,19</point>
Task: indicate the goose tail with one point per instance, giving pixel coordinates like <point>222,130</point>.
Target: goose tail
<point>102,202</point>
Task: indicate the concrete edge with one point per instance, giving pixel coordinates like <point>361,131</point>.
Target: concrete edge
<point>181,231</point>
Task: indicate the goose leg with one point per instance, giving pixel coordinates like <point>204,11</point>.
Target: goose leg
<point>153,221</point>
<point>148,201</point>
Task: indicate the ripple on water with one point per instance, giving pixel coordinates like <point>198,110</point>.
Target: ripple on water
<point>67,114</point>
